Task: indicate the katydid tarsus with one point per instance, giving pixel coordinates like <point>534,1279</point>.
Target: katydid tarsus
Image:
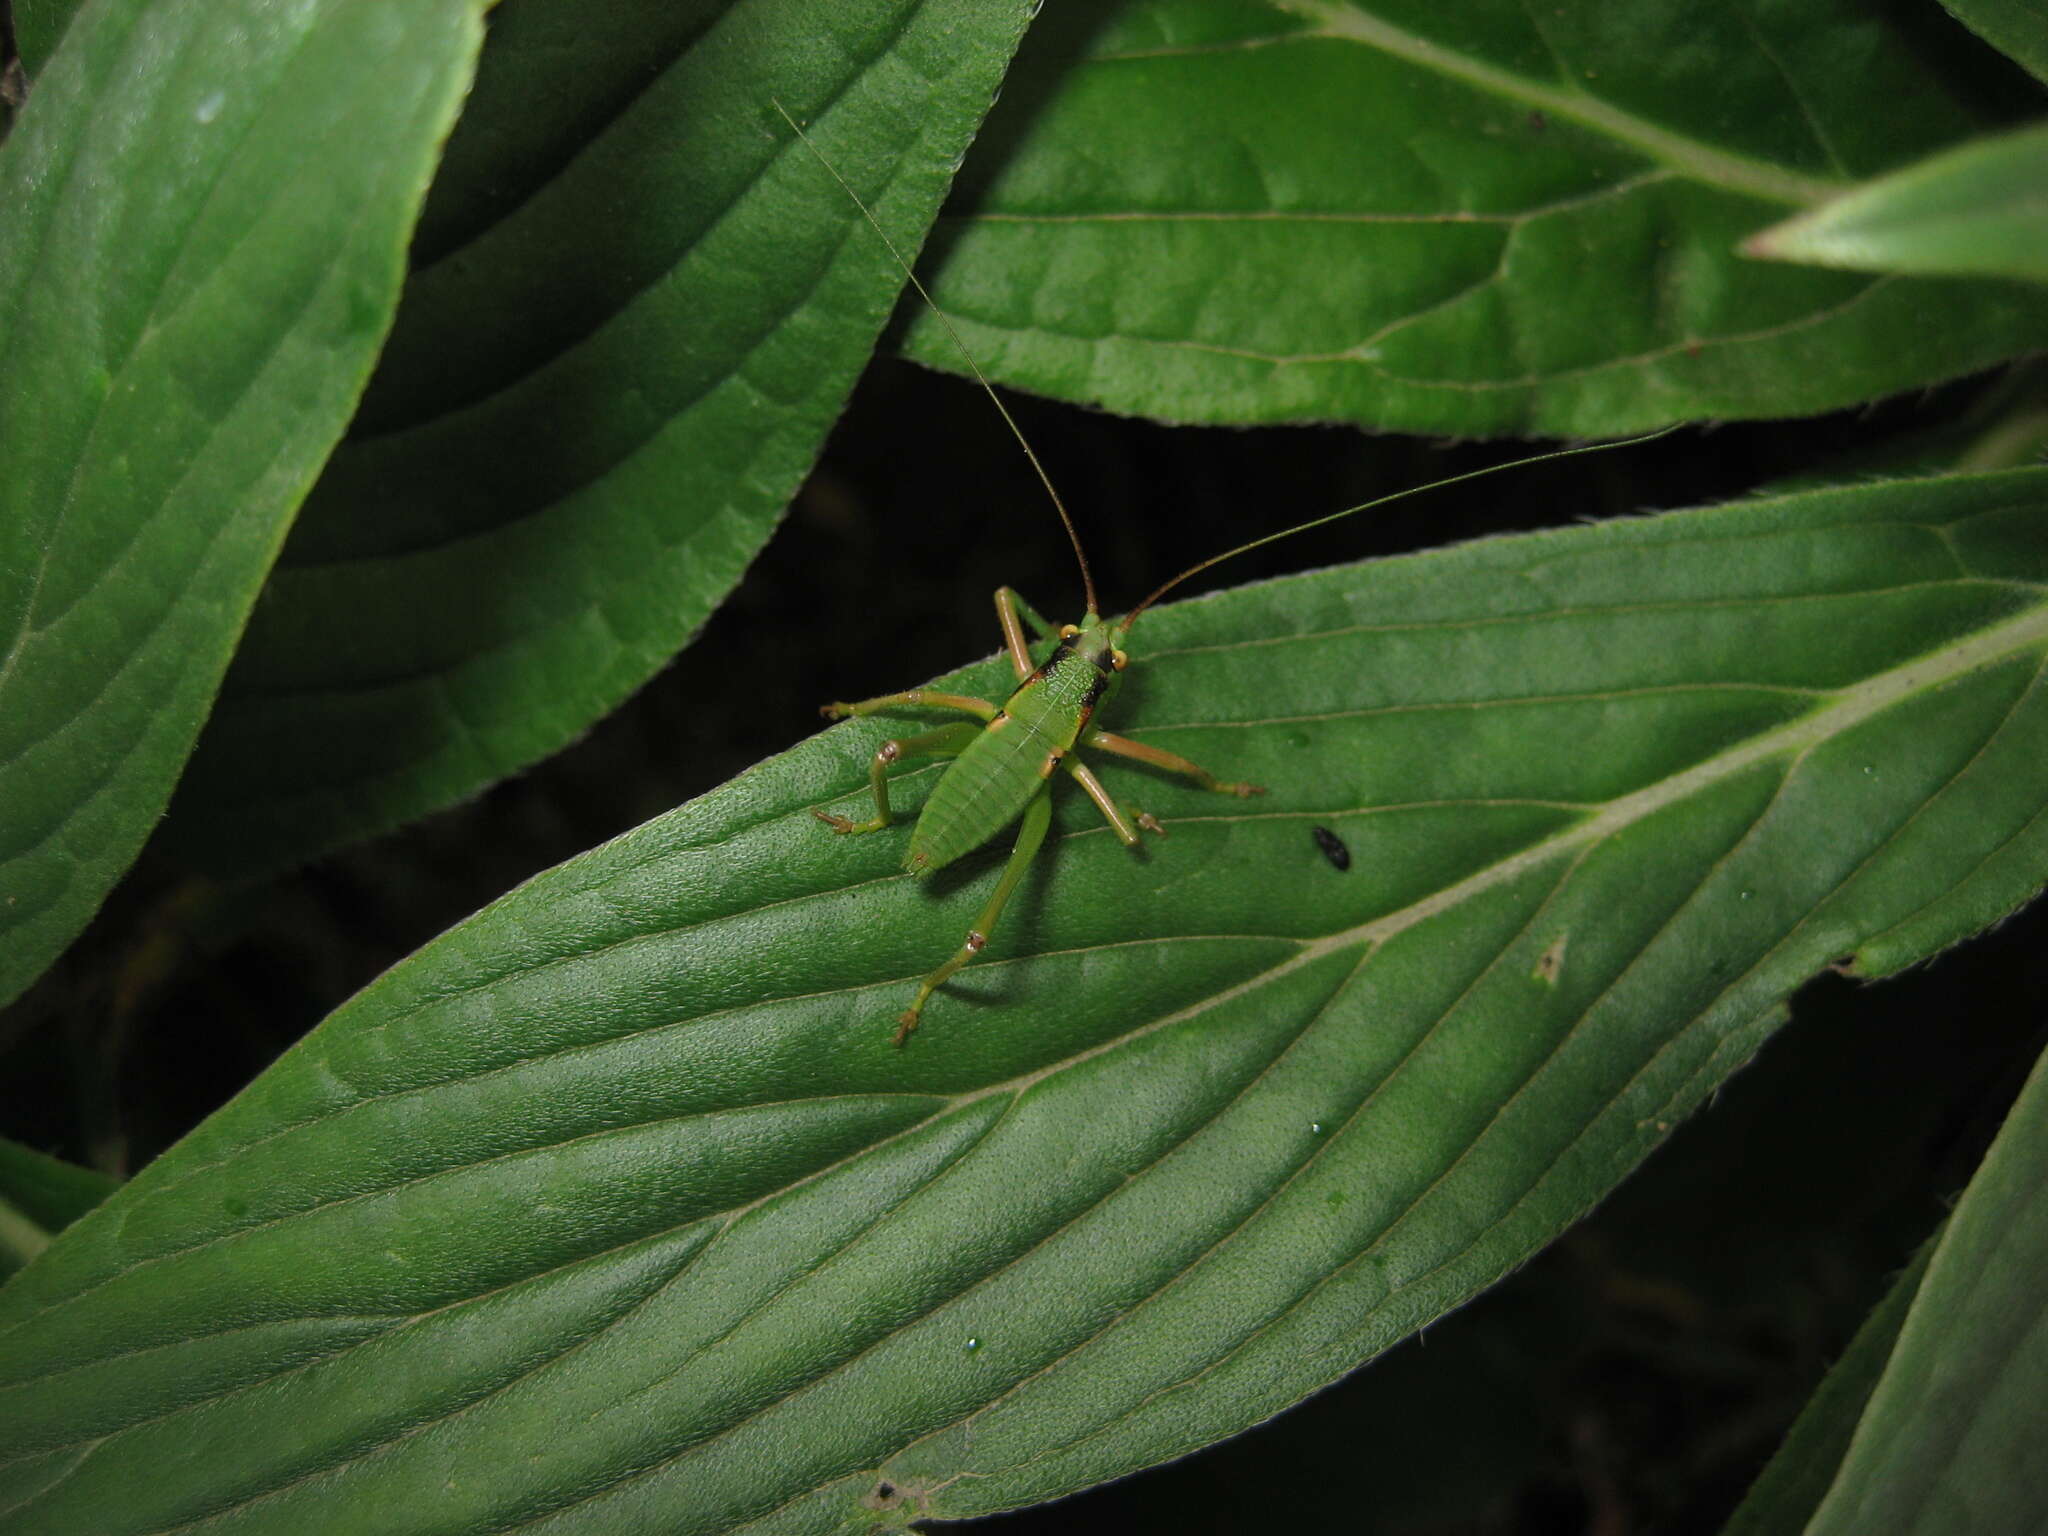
<point>1004,756</point>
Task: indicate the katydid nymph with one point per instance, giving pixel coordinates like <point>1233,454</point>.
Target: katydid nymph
<point>1004,757</point>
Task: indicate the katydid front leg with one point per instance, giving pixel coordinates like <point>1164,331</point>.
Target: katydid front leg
<point>1123,821</point>
<point>1137,751</point>
<point>1013,613</point>
<point>1030,834</point>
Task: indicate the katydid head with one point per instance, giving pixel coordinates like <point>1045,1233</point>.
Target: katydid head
<point>1094,640</point>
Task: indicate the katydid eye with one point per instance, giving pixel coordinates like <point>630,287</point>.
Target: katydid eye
<point>1068,631</point>
<point>1119,660</point>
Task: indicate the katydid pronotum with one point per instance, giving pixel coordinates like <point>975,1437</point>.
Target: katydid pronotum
<point>1004,756</point>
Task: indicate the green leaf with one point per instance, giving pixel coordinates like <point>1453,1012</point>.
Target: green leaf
<point>188,310</point>
<point>641,307</point>
<point>1798,1477</point>
<point>38,28</point>
<point>1464,218</point>
<point>1982,208</point>
<point>1952,1438</point>
<point>614,1209</point>
<point>41,1195</point>
<point>52,1192</point>
<point>2017,28</point>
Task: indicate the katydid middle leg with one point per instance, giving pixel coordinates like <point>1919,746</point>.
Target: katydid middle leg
<point>1030,834</point>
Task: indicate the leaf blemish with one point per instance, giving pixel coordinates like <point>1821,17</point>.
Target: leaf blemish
<point>890,1495</point>
<point>1551,961</point>
<point>1333,848</point>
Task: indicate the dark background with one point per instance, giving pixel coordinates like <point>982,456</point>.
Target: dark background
<point>1634,1378</point>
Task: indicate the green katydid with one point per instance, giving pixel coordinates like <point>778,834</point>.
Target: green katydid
<point>1003,759</point>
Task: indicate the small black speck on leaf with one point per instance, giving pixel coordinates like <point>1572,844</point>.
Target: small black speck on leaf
<point>1333,847</point>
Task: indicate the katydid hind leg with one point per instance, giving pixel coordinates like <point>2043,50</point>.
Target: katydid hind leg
<point>946,741</point>
<point>1047,630</point>
<point>1030,836</point>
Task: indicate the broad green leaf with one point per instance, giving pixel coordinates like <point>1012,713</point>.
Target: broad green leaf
<point>187,314</point>
<point>642,307</point>
<point>614,1209</point>
<point>1952,1438</point>
<point>41,1195</point>
<point>1981,209</point>
<point>1792,1486</point>
<point>2018,28</point>
<point>38,28</point>
<point>1461,215</point>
